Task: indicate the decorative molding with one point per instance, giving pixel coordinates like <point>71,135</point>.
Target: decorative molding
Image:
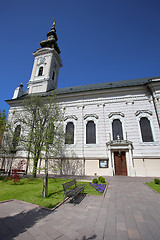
<point>116,113</point>
<point>42,64</point>
<point>16,121</point>
<point>71,117</point>
<point>143,111</point>
<point>91,115</point>
<point>42,51</point>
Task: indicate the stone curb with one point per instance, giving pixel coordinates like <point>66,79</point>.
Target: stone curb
<point>105,190</point>
<point>151,188</point>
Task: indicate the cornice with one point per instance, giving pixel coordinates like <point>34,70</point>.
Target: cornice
<point>90,115</point>
<point>43,51</point>
<point>143,111</point>
<point>116,113</point>
<point>71,117</point>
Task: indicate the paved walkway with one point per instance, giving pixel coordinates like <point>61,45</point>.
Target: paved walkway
<point>130,210</point>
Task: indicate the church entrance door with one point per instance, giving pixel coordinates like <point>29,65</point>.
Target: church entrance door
<point>120,163</point>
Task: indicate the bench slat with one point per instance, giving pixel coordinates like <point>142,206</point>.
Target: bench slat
<point>70,191</point>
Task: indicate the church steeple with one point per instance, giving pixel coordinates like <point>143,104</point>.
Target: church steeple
<point>46,66</point>
<point>52,39</point>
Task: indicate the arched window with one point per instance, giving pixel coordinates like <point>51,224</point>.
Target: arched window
<point>40,71</point>
<point>16,136</point>
<point>53,75</point>
<point>69,137</point>
<point>90,132</point>
<point>117,129</point>
<point>146,130</point>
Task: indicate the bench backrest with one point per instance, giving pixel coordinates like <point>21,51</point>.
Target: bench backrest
<point>69,184</point>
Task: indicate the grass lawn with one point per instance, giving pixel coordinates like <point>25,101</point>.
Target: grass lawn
<point>154,186</point>
<point>30,190</point>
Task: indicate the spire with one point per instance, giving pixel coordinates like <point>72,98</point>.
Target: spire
<point>52,39</point>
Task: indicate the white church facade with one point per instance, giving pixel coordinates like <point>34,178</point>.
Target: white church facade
<point>115,125</point>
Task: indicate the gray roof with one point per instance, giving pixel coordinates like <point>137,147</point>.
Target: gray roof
<point>96,86</point>
<point>101,86</point>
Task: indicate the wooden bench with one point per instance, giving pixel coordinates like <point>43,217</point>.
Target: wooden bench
<point>72,189</point>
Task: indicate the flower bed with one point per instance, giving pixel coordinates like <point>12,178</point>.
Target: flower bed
<point>99,187</point>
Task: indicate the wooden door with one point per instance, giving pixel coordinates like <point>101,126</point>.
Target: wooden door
<point>120,163</point>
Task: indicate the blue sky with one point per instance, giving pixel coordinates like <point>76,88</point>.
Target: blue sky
<point>100,41</point>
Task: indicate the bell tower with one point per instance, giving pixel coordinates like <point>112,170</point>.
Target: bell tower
<point>46,66</point>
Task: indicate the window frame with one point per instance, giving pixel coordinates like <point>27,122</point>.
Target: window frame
<point>119,116</point>
<point>15,140</point>
<point>118,129</point>
<point>149,117</point>
<point>73,133</point>
<point>143,128</point>
<point>41,67</point>
<point>71,118</point>
<point>100,160</point>
<point>53,75</point>
<point>87,118</point>
<point>94,132</point>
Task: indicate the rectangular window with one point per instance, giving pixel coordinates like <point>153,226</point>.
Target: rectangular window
<point>103,163</point>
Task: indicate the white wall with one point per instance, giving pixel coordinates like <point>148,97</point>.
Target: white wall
<point>97,106</point>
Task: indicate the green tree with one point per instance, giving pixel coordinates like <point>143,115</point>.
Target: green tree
<point>53,139</point>
<point>2,124</point>
<point>43,130</point>
<point>10,143</point>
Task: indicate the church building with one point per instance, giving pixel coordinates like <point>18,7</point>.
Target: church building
<point>115,125</point>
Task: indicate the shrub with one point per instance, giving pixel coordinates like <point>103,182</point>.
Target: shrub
<point>95,180</point>
<point>156,181</point>
<point>101,179</point>
<point>15,176</point>
<point>15,172</point>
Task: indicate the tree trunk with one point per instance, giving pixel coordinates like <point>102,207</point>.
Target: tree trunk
<point>10,166</point>
<point>28,158</point>
<point>45,183</point>
<point>35,163</point>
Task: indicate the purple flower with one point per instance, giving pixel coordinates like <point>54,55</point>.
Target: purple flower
<point>99,187</point>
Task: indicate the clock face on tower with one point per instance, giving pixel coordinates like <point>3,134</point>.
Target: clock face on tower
<point>42,59</point>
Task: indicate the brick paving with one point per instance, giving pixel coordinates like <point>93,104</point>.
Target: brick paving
<point>130,210</point>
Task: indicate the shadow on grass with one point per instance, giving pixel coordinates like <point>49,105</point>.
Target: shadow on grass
<point>12,226</point>
<point>4,179</point>
<point>16,184</point>
<point>53,193</point>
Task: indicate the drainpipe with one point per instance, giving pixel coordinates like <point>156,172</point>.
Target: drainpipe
<point>154,101</point>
